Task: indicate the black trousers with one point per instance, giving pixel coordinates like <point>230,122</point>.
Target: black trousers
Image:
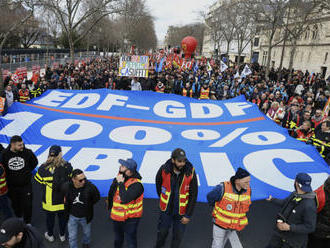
<point>50,220</point>
<point>21,202</point>
<point>128,229</point>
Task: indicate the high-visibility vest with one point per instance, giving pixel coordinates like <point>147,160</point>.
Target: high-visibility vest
<point>320,198</point>
<point>2,104</point>
<point>204,93</point>
<point>303,137</point>
<point>183,192</point>
<point>133,209</point>
<point>160,90</point>
<point>3,183</point>
<point>185,92</point>
<point>24,95</point>
<point>36,92</point>
<point>230,211</point>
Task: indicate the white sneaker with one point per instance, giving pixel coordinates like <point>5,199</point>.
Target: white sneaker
<point>49,238</point>
<point>62,238</point>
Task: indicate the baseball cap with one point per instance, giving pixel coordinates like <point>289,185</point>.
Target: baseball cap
<point>9,228</point>
<point>54,150</point>
<point>129,164</point>
<point>179,154</point>
<point>304,181</point>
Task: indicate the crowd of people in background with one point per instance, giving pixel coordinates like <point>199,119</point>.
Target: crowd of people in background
<point>294,99</point>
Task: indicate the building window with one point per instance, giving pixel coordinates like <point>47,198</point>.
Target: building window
<point>307,34</point>
<point>256,42</point>
<point>315,32</point>
<point>264,58</point>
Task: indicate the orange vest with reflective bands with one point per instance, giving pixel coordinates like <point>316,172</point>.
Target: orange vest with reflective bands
<point>230,211</point>
<point>3,183</point>
<point>205,93</point>
<point>320,198</point>
<point>133,209</point>
<point>183,192</point>
<point>24,95</point>
<point>2,104</point>
<point>184,92</point>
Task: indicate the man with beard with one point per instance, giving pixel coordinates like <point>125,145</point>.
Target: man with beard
<point>176,185</point>
<point>125,201</point>
<point>297,217</point>
<point>19,162</point>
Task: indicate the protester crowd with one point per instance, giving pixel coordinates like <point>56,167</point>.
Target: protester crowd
<point>296,100</point>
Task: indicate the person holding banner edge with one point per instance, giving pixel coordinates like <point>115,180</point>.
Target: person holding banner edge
<point>231,201</point>
<point>177,187</point>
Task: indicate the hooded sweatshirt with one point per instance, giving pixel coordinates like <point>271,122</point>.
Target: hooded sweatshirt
<point>18,166</point>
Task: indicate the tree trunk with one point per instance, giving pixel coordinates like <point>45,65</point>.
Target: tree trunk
<point>71,45</point>
<point>282,54</point>
<point>292,54</point>
<point>268,58</point>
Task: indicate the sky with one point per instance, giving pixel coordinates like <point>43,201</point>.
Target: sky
<point>175,12</point>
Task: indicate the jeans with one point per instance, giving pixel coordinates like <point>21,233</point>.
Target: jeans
<point>73,231</point>
<point>4,207</point>
<point>127,228</point>
<point>21,202</point>
<point>164,224</point>
<point>50,220</point>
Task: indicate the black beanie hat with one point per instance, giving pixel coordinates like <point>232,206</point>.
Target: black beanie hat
<point>241,173</point>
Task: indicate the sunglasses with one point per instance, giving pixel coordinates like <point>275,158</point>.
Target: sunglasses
<point>82,180</point>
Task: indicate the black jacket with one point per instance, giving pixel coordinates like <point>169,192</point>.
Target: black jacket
<point>300,215</point>
<point>323,219</point>
<point>18,166</point>
<point>133,192</point>
<point>31,239</point>
<point>193,187</point>
<point>54,181</point>
<point>91,193</point>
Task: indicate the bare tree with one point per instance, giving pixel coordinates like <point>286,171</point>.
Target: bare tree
<point>29,6</point>
<point>73,13</point>
<point>213,24</point>
<point>29,32</point>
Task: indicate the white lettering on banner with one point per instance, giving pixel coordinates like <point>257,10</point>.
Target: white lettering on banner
<point>198,110</point>
<point>112,100</point>
<point>76,101</point>
<point>236,108</point>
<point>58,129</point>
<point>53,99</point>
<point>271,138</point>
<point>200,134</point>
<point>43,156</point>
<point>21,121</point>
<point>149,135</point>
<point>98,163</point>
<point>229,138</point>
<point>260,164</point>
<point>170,109</point>
<point>151,163</point>
<point>217,167</point>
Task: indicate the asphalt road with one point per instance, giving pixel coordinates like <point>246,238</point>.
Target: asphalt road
<point>198,233</point>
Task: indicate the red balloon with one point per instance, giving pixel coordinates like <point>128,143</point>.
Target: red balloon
<point>188,45</point>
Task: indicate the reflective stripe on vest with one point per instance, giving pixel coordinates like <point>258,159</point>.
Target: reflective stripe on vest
<point>183,192</point>
<point>3,184</point>
<point>48,203</point>
<point>204,93</point>
<point>230,211</point>
<point>133,209</point>
<point>23,95</point>
<point>184,92</point>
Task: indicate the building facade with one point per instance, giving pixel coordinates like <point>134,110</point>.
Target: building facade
<point>312,51</point>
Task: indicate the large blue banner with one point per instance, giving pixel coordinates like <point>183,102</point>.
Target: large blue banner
<point>97,127</point>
